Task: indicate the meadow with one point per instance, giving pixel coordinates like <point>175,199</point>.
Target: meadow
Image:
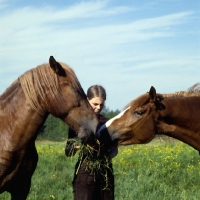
<point>160,170</point>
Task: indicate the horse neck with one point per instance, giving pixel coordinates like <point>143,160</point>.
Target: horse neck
<point>180,119</point>
<point>19,122</point>
<point>181,108</point>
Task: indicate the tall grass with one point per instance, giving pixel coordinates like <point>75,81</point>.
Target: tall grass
<point>155,171</point>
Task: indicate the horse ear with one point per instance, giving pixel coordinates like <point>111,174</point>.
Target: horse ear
<point>152,94</point>
<point>56,66</point>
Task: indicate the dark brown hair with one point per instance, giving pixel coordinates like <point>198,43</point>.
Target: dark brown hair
<point>96,91</point>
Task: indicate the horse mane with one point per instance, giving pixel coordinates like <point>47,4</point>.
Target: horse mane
<point>143,99</point>
<point>35,81</point>
<point>191,91</point>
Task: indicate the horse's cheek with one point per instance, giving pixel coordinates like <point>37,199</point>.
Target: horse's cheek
<point>144,128</point>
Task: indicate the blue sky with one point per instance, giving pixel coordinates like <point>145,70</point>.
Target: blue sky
<point>126,46</point>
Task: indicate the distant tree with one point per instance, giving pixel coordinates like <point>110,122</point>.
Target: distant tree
<point>53,129</point>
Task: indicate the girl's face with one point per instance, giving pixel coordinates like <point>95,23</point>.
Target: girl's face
<point>97,104</point>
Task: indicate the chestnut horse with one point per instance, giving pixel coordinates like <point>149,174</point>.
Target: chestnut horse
<point>24,106</point>
<point>176,115</point>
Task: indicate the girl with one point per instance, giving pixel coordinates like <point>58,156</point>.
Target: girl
<point>93,177</point>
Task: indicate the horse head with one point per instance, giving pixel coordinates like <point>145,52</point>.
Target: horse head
<point>74,108</point>
<point>24,106</point>
<point>136,124</point>
<point>54,88</point>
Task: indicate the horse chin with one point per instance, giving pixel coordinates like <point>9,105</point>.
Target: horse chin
<point>130,141</point>
<point>127,142</point>
<point>135,141</point>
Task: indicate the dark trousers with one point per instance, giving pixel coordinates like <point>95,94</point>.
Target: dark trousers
<point>87,186</point>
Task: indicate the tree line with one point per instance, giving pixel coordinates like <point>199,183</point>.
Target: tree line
<point>56,130</point>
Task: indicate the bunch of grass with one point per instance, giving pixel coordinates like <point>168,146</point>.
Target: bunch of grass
<point>92,159</point>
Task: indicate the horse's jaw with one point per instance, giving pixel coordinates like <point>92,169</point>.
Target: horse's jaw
<point>135,140</point>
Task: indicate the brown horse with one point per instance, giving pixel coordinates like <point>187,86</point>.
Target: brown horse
<point>24,106</point>
<point>176,115</point>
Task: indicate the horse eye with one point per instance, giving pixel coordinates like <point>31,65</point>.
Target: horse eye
<point>138,113</point>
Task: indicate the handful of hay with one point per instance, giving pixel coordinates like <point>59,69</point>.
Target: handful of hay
<point>92,159</point>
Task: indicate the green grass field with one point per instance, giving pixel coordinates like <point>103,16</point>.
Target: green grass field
<point>155,171</point>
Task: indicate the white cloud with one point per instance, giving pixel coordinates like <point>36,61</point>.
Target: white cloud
<point>117,50</point>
